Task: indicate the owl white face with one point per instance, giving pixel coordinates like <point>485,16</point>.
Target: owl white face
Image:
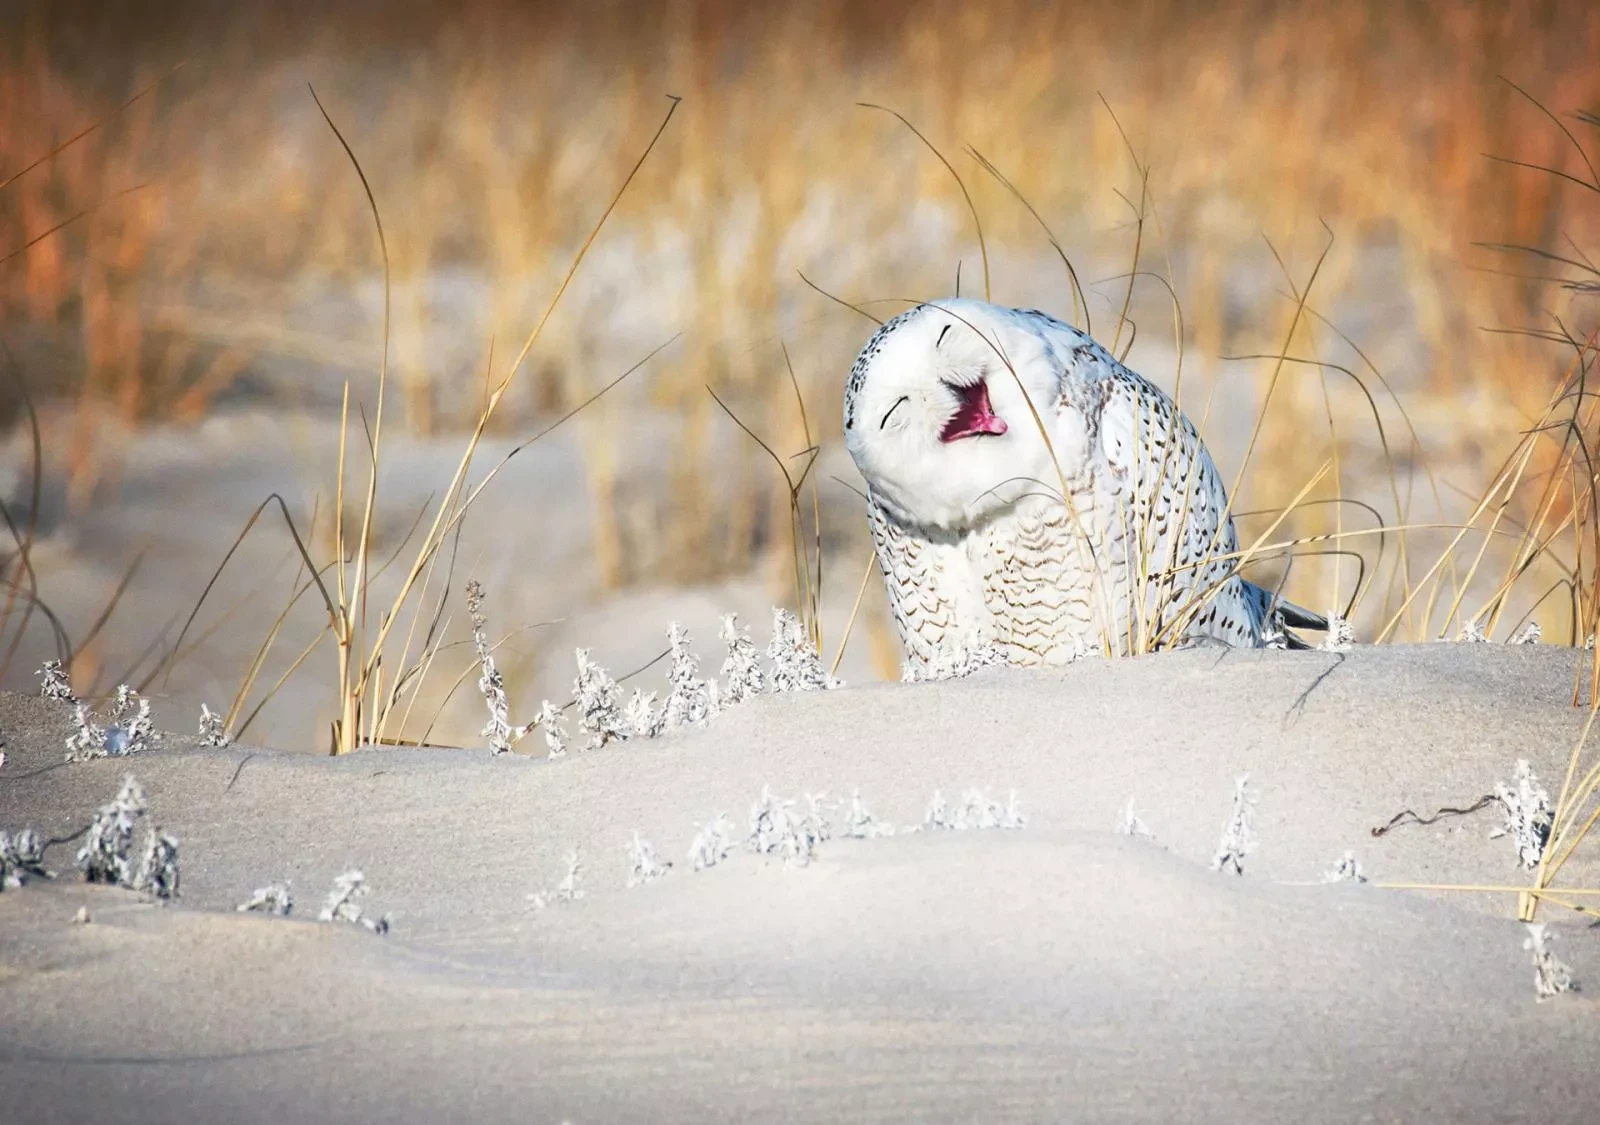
<point>937,414</point>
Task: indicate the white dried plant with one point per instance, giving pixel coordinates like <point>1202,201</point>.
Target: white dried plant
<point>937,815</point>
<point>491,685</point>
<point>131,730</point>
<point>1347,870</point>
<point>862,825</point>
<point>213,732</point>
<point>1529,634</point>
<point>690,702</point>
<point>953,663</point>
<point>644,865</point>
<point>977,811</point>
<point>642,716</point>
<point>713,842</point>
<point>341,904</point>
<point>1238,835</point>
<point>1551,976</point>
<point>1529,816</point>
<point>1132,824</point>
<point>54,684</point>
<point>1341,636</point>
<point>158,870</point>
<point>103,858</point>
<point>21,858</point>
<point>88,738</point>
<point>274,898</point>
<point>741,672</point>
<point>1471,633</point>
<point>567,890</point>
<point>599,703</point>
<point>795,663</point>
<point>775,830</point>
<point>555,734</point>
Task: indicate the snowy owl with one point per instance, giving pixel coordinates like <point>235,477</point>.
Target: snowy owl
<point>970,423</point>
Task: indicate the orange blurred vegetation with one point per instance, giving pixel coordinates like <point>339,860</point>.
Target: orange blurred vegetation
<point>493,133</point>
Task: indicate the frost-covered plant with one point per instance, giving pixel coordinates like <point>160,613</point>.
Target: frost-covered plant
<point>644,866</point>
<point>21,857</point>
<point>1529,634</point>
<point>1341,636</point>
<point>1347,870</point>
<point>341,905</point>
<point>53,682</point>
<point>689,703</point>
<point>862,825</point>
<point>1132,824</point>
<point>795,663</point>
<point>741,672</point>
<point>132,730</point>
<point>713,842</point>
<point>88,739</point>
<point>1551,976</point>
<point>937,815</point>
<point>953,663</point>
<point>599,703</point>
<point>567,890</point>
<point>274,898</point>
<point>642,716</point>
<point>103,858</point>
<point>815,822</point>
<point>977,810</point>
<point>776,830</point>
<point>1471,633</point>
<point>491,685</point>
<point>1238,837</point>
<point>158,870</point>
<point>212,730</point>
<point>555,735</point>
<point>1529,816</point>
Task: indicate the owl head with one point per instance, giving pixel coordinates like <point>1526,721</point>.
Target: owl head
<point>937,413</point>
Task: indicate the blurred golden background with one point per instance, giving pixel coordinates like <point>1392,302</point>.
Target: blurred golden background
<point>207,255</point>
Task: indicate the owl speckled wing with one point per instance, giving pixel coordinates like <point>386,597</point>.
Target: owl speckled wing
<point>1162,496</point>
<point>931,591</point>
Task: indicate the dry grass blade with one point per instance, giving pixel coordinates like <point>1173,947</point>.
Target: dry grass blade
<point>838,300</point>
<point>82,133</point>
<point>983,248</point>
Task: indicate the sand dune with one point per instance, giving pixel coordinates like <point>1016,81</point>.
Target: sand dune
<point>1059,971</point>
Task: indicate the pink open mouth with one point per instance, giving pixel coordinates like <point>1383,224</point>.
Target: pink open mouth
<point>974,416</point>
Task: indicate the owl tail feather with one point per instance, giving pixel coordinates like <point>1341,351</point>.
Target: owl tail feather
<point>1290,615</point>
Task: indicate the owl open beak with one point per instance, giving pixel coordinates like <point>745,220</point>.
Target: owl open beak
<point>974,416</point>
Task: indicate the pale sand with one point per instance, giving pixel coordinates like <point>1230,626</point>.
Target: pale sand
<point>1060,972</point>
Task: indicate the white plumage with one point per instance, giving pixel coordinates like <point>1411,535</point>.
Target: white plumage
<point>1032,498</point>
